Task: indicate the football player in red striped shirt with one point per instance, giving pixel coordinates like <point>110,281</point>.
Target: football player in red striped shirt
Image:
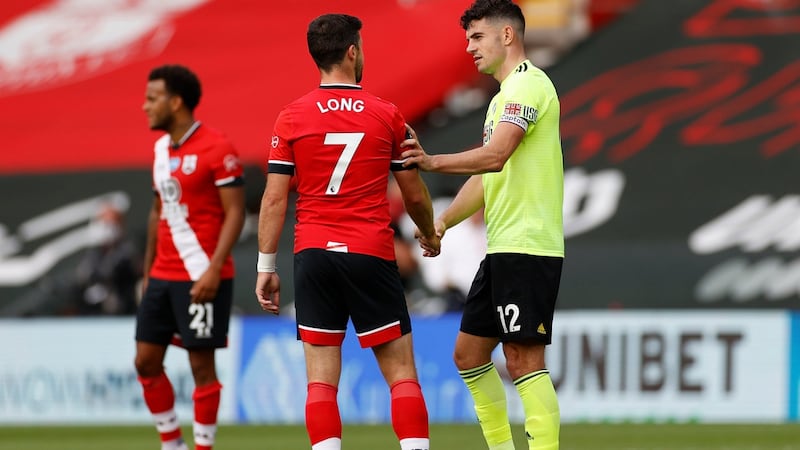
<point>197,215</point>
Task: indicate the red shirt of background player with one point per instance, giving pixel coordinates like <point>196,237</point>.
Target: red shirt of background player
<point>187,179</point>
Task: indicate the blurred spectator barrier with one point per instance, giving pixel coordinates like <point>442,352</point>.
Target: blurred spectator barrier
<point>706,366</point>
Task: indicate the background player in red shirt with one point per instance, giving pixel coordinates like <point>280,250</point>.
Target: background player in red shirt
<point>341,143</point>
<point>197,215</point>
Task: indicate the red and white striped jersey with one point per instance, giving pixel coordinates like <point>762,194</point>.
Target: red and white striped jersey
<point>187,179</point>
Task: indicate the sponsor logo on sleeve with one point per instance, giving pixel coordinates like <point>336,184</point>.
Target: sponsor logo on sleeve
<point>530,114</point>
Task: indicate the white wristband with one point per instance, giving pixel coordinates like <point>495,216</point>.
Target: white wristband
<point>266,262</point>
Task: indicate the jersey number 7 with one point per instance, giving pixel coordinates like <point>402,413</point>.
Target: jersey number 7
<point>350,142</point>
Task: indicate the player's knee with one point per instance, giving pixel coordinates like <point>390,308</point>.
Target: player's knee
<point>515,369</point>
<point>147,368</point>
<point>522,359</point>
<point>203,374</point>
<point>398,369</point>
<point>465,359</point>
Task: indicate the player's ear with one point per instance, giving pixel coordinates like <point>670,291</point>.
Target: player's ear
<point>175,102</point>
<point>508,34</point>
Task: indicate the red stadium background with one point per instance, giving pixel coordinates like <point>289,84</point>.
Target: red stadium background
<point>679,130</point>
<point>72,77</point>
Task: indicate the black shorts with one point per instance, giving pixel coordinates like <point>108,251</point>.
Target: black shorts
<point>513,297</point>
<point>166,310</point>
<point>331,287</point>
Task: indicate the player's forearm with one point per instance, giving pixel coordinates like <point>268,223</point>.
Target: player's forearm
<point>232,199</point>
<point>270,223</point>
<point>228,236</point>
<point>416,199</point>
<point>468,201</point>
<point>471,162</point>
<point>490,157</point>
<point>420,210</point>
<point>273,212</point>
<point>150,244</point>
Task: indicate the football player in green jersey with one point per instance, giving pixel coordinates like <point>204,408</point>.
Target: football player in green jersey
<point>518,176</point>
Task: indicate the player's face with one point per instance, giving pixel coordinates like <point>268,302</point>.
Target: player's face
<point>157,106</point>
<point>485,44</point>
<point>360,61</point>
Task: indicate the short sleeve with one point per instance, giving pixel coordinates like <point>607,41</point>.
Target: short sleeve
<point>281,156</point>
<point>400,134</point>
<point>521,104</point>
<point>226,167</point>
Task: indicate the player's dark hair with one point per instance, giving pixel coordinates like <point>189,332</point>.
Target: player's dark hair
<point>180,81</point>
<point>495,9</point>
<point>329,36</point>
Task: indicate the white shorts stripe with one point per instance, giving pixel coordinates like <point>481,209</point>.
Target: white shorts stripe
<point>224,181</point>
<point>378,330</point>
<point>320,330</point>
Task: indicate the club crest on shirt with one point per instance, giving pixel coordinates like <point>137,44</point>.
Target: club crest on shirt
<point>275,141</point>
<point>231,162</point>
<point>174,163</point>
<point>189,164</point>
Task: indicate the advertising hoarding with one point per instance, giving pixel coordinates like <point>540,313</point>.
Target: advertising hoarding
<point>705,366</point>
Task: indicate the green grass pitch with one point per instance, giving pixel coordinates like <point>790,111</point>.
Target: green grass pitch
<point>443,437</point>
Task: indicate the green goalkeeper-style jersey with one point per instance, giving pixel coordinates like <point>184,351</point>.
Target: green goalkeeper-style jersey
<point>524,201</point>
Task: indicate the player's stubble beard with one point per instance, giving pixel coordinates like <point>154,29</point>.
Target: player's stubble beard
<point>163,124</point>
<point>359,68</point>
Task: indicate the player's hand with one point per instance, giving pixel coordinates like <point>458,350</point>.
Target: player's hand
<point>440,227</point>
<point>414,155</point>
<point>205,288</point>
<point>268,291</point>
<point>145,282</point>
<point>431,245</point>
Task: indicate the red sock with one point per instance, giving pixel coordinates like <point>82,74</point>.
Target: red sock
<point>206,406</point>
<point>322,413</point>
<point>409,414</point>
<point>160,400</point>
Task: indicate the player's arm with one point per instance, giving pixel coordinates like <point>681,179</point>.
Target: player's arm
<point>417,201</point>
<point>273,212</point>
<point>232,199</point>
<point>488,158</point>
<point>152,236</point>
<point>270,224</point>
<point>467,202</point>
